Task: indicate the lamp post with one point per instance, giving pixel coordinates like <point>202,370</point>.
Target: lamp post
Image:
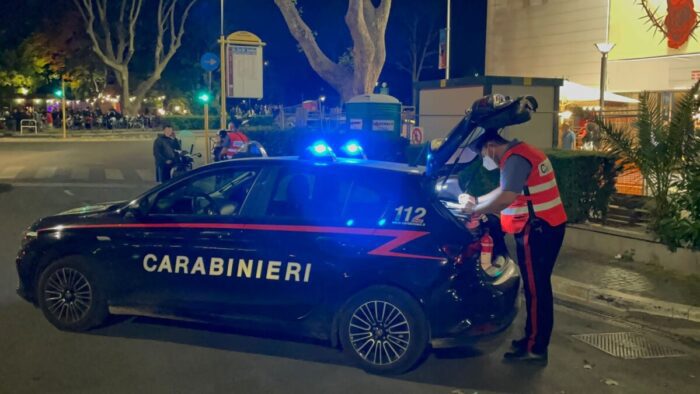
<point>222,68</point>
<point>447,41</point>
<point>604,48</point>
<point>61,93</point>
<point>204,99</point>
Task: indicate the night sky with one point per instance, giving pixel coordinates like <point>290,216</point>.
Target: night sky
<point>288,78</point>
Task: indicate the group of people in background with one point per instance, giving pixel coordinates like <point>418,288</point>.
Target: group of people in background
<point>586,138</point>
<point>79,119</point>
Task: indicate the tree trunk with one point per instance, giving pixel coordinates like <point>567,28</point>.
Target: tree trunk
<point>126,104</point>
<point>367,25</point>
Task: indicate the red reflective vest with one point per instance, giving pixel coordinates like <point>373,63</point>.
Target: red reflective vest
<point>542,187</point>
<point>238,141</point>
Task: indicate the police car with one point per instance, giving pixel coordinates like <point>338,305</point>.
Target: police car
<point>363,254</point>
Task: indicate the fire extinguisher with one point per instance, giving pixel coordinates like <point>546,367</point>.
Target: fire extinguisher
<point>486,249</point>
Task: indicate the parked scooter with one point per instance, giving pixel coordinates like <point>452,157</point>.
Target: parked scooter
<point>184,162</point>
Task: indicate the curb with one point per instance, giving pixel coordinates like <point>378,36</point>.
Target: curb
<point>578,292</point>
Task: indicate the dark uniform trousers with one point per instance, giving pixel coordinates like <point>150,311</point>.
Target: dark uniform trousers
<point>538,246</point>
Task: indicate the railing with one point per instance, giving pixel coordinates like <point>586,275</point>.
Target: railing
<point>630,181</point>
<point>28,124</point>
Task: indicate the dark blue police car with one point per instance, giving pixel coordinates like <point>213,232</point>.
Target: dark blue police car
<point>363,254</point>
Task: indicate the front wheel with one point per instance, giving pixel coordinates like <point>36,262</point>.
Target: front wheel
<point>70,296</point>
<point>384,330</point>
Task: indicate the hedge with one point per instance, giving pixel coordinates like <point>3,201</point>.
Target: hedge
<point>586,181</point>
<point>190,122</point>
<point>196,122</point>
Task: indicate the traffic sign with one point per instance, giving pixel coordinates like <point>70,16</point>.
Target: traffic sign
<point>417,135</point>
<point>210,62</point>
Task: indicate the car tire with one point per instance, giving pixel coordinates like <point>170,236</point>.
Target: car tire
<point>70,295</point>
<point>383,330</point>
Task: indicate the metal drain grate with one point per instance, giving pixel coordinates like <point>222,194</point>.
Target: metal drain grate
<point>628,345</point>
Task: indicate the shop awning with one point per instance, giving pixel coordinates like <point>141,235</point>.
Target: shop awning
<point>572,91</point>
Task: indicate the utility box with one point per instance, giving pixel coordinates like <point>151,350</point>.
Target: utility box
<point>374,112</point>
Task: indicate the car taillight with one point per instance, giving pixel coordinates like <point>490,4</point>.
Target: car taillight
<point>460,253</point>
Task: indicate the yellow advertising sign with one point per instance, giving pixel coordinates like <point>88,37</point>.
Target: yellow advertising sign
<point>652,28</point>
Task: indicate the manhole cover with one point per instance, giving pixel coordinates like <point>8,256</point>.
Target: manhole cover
<point>627,345</point>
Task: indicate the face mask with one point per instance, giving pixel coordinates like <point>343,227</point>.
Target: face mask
<point>489,163</point>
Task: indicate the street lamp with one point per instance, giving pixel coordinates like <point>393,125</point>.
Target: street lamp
<point>322,100</point>
<point>61,94</point>
<point>204,98</point>
<point>604,48</point>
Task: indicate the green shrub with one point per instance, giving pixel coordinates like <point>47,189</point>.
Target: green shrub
<point>586,182</point>
<point>190,122</point>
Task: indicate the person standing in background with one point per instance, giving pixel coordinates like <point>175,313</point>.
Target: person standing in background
<point>568,139</point>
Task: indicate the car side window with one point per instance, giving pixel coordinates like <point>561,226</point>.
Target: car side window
<point>373,198</point>
<point>220,193</point>
<point>308,194</point>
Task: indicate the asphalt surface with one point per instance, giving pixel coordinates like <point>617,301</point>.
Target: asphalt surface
<point>149,355</point>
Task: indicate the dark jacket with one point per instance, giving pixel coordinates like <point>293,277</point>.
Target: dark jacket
<point>164,150</point>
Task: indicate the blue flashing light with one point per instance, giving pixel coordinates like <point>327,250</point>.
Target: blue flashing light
<point>353,148</point>
<point>319,151</point>
<point>381,222</point>
<point>349,222</point>
<point>321,148</point>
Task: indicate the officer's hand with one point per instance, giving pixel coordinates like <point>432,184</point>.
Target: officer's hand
<point>469,208</point>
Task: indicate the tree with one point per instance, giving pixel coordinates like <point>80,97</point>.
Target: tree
<point>666,153</point>
<point>419,32</point>
<point>114,42</point>
<point>62,48</point>
<point>367,25</point>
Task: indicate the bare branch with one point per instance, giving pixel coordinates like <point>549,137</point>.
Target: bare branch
<point>330,71</point>
<point>85,7</point>
<point>106,28</point>
<point>134,13</point>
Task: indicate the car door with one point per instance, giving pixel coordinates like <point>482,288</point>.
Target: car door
<point>297,220</point>
<point>176,258</point>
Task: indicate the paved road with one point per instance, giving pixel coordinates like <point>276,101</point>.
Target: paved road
<point>146,355</point>
<point>79,164</point>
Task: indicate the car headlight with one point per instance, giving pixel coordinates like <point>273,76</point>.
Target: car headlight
<point>28,236</point>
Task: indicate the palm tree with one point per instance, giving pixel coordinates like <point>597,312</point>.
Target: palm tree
<point>661,149</point>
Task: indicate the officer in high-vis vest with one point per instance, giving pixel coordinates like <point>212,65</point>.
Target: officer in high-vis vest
<point>530,208</point>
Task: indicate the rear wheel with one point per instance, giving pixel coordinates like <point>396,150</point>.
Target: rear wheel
<point>383,330</point>
<point>70,295</point>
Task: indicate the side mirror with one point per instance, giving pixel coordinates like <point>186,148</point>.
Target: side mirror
<point>136,209</point>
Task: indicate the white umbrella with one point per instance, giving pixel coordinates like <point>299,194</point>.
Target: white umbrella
<point>572,91</point>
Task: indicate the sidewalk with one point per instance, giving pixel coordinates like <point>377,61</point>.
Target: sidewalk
<point>596,280</point>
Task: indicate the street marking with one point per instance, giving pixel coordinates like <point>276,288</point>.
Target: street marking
<point>80,173</point>
<point>45,172</point>
<point>10,172</point>
<point>146,175</point>
<point>144,186</point>
<point>114,175</point>
<point>68,192</point>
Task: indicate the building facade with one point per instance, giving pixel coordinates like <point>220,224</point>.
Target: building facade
<point>655,49</point>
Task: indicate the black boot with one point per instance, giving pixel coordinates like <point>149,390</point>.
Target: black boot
<point>525,356</point>
<point>516,344</point>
